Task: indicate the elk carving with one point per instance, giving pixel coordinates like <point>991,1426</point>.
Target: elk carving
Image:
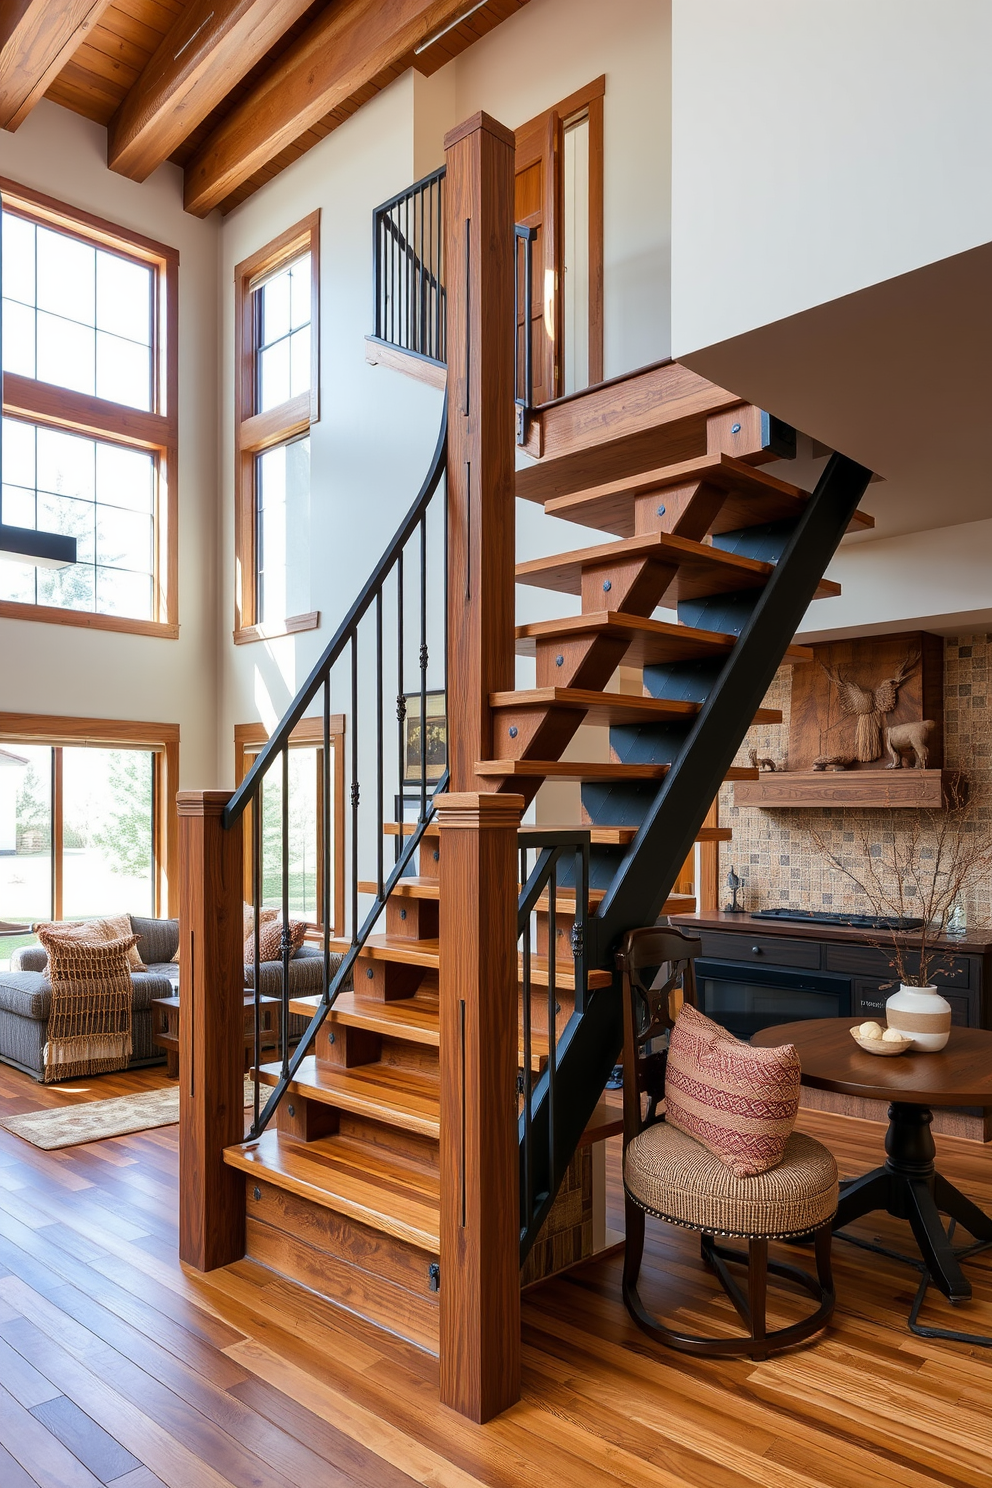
<point>870,706</point>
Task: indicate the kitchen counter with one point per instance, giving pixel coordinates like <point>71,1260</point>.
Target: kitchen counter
<point>973,942</point>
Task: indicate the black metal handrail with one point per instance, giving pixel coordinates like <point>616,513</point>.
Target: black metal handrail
<point>384,588</point>
<point>409,302</point>
<point>541,1169</point>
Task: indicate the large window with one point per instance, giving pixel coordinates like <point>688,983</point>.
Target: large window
<point>315,835</point>
<point>86,827</point>
<point>89,433</point>
<point>276,319</point>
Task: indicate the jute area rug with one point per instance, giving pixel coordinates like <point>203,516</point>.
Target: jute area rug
<point>94,1121</point>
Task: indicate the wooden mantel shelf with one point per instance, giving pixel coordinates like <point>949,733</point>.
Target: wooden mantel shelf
<point>787,789</point>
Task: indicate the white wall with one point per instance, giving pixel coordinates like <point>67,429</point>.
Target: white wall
<point>372,445</point>
<point>538,57</point>
<point>68,670</point>
<point>819,148</point>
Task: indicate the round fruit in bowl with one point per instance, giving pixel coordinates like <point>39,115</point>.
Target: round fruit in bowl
<point>875,1039</point>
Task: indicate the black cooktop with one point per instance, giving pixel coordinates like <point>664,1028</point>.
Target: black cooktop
<point>856,921</point>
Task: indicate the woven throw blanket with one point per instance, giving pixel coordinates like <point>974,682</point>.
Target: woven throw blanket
<point>89,1027</point>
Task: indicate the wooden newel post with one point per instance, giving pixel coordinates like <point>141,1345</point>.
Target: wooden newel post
<point>480,1155</point>
<point>211,1032</point>
<point>479,249</point>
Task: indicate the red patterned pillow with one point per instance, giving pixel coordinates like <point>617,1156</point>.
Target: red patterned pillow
<point>738,1101</point>
<point>270,940</point>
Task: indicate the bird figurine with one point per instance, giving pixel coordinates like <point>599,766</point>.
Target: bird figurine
<point>734,884</point>
<point>869,706</point>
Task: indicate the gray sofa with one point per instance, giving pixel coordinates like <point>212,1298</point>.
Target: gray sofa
<point>26,993</point>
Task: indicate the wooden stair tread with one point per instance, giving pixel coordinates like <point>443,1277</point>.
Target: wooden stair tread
<point>589,770</point>
<point>754,496</point>
<point>412,1018</point>
<point>406,1098</point>
<point>702,570</point>
<point>564,973</point>
<point>393,1197</point>
<point>617,835</point>
<point>605,1121</point>
<point>650,642</point>
<point>610,707</point>
<point>407,888</point>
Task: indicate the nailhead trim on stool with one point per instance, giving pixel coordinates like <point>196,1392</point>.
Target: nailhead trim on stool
<point>670,1174</point>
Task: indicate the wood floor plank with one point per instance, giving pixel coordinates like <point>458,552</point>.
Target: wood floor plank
<point>40,1454</point>
<point>95,1448</point>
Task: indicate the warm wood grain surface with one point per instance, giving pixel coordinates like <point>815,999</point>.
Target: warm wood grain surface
<point>107,1347</point>
<point>959,1075</point>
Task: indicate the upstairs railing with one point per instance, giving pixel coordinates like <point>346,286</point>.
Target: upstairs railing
<point>408,293</point>
<point>409,303</point>
<point>390,646</point>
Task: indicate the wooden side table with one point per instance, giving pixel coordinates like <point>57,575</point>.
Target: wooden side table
<point>908,1184</point>
<point>165,1028</point>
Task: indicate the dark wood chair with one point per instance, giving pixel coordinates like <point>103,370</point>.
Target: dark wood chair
<point>672,1176</point>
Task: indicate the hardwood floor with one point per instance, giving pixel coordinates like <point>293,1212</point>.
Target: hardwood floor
<point>116,1368</point>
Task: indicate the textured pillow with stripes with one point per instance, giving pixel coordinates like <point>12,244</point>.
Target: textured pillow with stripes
<point>738,1101</point>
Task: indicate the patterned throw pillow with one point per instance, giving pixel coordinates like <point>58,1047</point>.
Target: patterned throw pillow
<point>270,939</point>
<point>96,932</point>
<point>265,917</point>
<point>738,1101</point>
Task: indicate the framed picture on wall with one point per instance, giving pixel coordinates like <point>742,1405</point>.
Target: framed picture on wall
<point>424,761</point>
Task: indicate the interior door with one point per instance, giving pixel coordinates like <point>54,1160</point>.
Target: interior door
<point>538,204</point>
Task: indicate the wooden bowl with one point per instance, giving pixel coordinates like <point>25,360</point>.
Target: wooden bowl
<point>885,1047</point>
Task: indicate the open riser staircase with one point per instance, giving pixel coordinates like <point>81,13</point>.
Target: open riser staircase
<point>374,1158</point>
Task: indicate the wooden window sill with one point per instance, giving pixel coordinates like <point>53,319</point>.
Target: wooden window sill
<point>246,634</point>
<point>165,630</point>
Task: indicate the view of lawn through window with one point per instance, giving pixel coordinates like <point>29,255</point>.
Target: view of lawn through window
<point>303,835</point>
<point>102,861</point>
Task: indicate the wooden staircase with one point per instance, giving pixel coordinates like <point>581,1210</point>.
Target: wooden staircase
<point>394,1176</point>
<point>344,1196</point>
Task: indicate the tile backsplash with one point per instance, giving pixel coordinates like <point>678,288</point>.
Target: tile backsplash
<point>772,850</point>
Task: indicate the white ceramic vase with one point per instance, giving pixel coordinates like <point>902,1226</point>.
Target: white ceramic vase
<point>920,1013</point>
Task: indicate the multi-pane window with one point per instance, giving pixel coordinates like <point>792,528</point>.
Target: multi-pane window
<point>89,434</point>
<point>277,402</point>
<point>84,828</point>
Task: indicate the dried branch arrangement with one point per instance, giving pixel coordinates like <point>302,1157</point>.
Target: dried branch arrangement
<point>915,869</point>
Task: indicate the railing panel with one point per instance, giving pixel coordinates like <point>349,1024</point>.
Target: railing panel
<point>408,269</point>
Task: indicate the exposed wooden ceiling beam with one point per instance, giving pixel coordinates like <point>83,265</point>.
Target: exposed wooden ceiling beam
<point>208,49</point>
<point>37,38</point>
<point>343,50</point>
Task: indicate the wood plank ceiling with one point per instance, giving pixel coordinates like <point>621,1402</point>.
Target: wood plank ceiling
<point>233,91</point>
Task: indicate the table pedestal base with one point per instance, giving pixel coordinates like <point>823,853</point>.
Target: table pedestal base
<point>909,1187</point>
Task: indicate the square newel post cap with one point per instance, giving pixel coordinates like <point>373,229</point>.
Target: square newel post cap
<point>202,802</point>
<point>478,810</point>
<point>477,123</point>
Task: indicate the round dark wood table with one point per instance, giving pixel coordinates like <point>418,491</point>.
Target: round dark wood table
<point>908,1184</point>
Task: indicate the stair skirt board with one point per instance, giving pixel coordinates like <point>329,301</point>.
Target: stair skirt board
<point>382,1279</point>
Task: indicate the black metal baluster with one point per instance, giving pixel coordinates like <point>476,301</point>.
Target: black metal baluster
<point>400,705</point>
<point>380,768</point>
<point>376,269</point>
<point>552,1006</point>
<point>256,900</point>
<point>528,1058</point>
<point>423,667</point>
<point>328,855</point>
<point>286,943</point>
<point>355,788</point>
<point>580,937</point>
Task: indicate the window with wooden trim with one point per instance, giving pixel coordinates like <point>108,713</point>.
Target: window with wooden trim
<point>87,820</point>
<point>277,400</point>
<point>559,193</point>
<point>90,381</point>
<point>316,834</point>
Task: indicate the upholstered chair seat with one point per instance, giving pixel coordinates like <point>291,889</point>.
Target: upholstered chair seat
<point>670,1174</point>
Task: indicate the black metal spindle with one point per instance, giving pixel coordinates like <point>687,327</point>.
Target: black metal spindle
<point>256,900</point>
<point>423,667</point>
<point>286,944</point>
<point>380,764</point>
<point>355,788</point>
<point>552,1004</point>
<point>400,705</point>
<point>328,854</point>
<point>528,1058</point>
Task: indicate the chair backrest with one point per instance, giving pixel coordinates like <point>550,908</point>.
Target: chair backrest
<point>658,976</point>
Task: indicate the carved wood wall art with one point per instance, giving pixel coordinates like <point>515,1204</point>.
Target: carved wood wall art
<point>854,689</point>
<point>868,705</point>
